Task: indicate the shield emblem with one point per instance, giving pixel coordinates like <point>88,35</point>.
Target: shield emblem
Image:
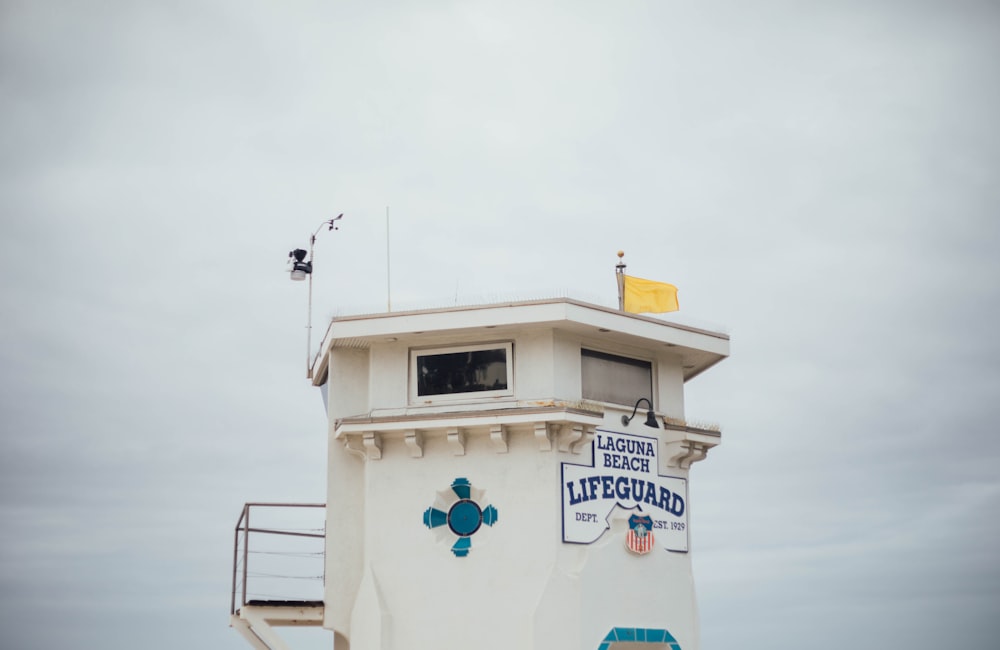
<point>639,538</point>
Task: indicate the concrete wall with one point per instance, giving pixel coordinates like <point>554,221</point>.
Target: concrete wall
<point>391,583</point>
<point>349,391</point>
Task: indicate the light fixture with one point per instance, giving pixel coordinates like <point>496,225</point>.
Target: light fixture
<point>650,416</point>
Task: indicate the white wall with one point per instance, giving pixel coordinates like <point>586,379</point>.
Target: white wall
<point>391,585</point>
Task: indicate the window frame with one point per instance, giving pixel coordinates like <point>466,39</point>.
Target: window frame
<point>506,346</point>
<point>628,360</point>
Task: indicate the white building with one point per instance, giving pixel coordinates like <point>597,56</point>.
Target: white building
<point>484,489</point>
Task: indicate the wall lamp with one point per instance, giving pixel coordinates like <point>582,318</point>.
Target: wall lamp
<point>650,416</point>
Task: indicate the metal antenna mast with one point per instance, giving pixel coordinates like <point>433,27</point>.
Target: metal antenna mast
<point>302,268</point>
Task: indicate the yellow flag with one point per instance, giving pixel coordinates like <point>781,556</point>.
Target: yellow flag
<point>648,297</point>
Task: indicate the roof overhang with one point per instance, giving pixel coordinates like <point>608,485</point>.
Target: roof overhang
<point>698,349</point>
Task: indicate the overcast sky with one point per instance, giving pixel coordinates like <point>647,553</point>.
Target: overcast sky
<point>820,179</point>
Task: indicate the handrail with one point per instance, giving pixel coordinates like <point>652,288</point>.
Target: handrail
<point>243,526</point>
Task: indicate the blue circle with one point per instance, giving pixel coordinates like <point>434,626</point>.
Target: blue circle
<point>465,518</point>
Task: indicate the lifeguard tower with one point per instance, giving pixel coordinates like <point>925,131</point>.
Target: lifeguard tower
<point>506,477</point>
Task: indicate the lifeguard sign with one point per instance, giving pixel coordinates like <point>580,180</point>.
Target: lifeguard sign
<point>624,473</point>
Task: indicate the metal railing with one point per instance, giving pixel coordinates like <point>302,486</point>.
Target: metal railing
<point>273,525</point>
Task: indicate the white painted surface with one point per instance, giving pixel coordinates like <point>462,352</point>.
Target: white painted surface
<point>391,582</point>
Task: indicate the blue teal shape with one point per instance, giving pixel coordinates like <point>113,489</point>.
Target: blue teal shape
<point>462,546</point>
<point>656,636</point>
<point>462,488</point>
<point>464,518</point>
<point>434,518</point>
<point>638,635</point>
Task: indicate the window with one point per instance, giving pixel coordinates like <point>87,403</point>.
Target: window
<point>469,371</point>
<point>619,380</point>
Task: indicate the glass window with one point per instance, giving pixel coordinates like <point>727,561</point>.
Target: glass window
<point>619,380</point>
<point>483,370</point>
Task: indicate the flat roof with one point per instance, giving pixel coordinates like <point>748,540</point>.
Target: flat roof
<point>698,348</point>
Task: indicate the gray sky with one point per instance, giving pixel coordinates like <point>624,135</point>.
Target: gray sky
<point>819,179</point>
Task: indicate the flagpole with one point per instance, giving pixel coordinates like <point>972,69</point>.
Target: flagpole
<point>620,276</point>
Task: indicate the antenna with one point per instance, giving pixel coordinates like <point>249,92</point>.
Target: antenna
<point>301,268</point>
<point>388,274</point>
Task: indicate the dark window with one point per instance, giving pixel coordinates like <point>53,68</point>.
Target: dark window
<point>466,371</point>
<point>619,380</point>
